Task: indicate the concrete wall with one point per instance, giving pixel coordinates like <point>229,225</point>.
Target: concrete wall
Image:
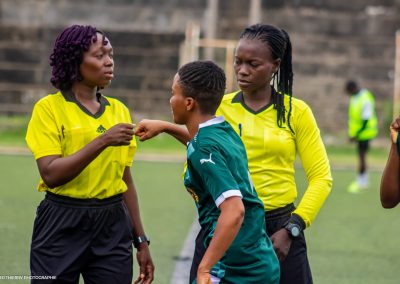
<point>333,40</point>
<point>146,36</point>
<point>145,64</point>
<point>143,15</point>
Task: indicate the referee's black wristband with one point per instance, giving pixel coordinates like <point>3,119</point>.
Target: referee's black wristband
<point>139,240</point>
<point>296,219</point>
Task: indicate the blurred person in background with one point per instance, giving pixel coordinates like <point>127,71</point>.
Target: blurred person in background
<point>84,146</point>
<point>390,182</point>
<point>362,128</point>
<point>274,127</point>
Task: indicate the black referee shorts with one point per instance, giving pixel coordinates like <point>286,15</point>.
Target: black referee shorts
<point>363,146</point>
<point>91,237</point>
<point>295,269</point>
<point>199,251</point>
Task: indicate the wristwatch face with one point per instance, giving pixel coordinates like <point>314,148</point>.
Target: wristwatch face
<point>295,231</point>
<point>140,239</point>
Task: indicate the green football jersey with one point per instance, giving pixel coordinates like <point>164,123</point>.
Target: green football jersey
<point>217,169</point>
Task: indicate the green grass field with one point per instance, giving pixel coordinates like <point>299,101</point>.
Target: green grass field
<point>13,129</point>
<point>353,240</point>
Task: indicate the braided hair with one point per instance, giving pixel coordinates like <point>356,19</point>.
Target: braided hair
<point>279,44</point>
<point>205,82</point>
<point>68,52</point>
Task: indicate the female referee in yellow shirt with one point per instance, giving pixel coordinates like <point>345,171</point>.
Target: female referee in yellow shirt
<point>82,142</point>
<point>274,128</point>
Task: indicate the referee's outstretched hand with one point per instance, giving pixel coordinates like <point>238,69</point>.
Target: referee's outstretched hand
<point>118,135</point>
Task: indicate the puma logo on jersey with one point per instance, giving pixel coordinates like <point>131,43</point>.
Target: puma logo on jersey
<point>202,161</point>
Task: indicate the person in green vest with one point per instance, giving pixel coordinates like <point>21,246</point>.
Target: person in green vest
<point>362,128</point>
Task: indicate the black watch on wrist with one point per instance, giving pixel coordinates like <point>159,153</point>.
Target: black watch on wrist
<point>293,229</point>
<point>295,225</point>
<point>140,239</point>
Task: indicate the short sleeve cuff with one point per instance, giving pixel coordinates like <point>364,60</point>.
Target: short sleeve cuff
<point>227,194</point>
<point>47,152</point>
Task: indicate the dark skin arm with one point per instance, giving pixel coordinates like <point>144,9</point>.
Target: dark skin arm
<point>281,242</point>
<point>228,225</point>
<point>147,129</point>
<point>390,182</point>
<point>146,265</point>
<point>281,239</point>
<point>56,170</point>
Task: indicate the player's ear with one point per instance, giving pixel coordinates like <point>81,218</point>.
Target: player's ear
<point>190,102</point>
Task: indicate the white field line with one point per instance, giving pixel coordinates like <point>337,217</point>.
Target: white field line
<point>184,261</point>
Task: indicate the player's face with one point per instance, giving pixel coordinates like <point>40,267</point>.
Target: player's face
<point>254,65</point>
<point>98,64</point>
<point>178,102</point>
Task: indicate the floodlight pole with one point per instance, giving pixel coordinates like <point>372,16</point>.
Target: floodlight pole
<point>396,94</point>
<point>211,26</point>
<point>255,12</point>
<point>189,49</point>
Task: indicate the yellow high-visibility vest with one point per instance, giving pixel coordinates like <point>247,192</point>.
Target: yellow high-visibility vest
<point>357,103</point>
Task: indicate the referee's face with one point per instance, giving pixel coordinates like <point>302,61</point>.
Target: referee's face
<point>254,65</point>
<point>97,67</point>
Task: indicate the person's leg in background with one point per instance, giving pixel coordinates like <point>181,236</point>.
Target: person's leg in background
<point>362,178</point>
<point>362,181</point>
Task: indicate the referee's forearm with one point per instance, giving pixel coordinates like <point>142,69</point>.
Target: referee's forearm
<point>313,199</point>
<point>132,203</point>
<point>56,170</point>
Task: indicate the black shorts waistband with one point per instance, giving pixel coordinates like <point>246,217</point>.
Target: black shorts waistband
<point>279,212</point>
<point>88,202</point>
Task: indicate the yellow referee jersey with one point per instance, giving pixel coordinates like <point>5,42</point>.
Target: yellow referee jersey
<point>60,125</point>
<point>272,150</point>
